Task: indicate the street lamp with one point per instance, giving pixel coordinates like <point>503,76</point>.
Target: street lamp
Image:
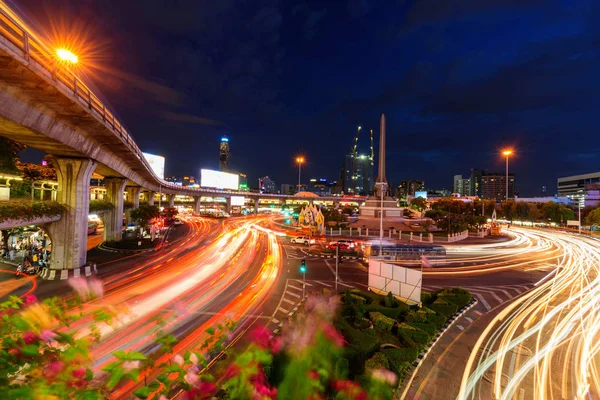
<point>67,56</point>
<point>507,153</point>
<point>299,160</point>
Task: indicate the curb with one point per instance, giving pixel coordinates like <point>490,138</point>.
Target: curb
<point>62,274</point>
<point>343,257</point>
<point>290,314</point>
<point>417,363</point>
<point>127,251</point>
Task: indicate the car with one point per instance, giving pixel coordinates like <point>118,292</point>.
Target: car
<point>338,244</point>
<point>92,227</point>
<point>346,242</point>
<point>302,240</point>
<point>178,222</point>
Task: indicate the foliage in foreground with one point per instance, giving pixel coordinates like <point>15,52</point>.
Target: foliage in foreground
<point>43,356</point>
<point>29,210</point>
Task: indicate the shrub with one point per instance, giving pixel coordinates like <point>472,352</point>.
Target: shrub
<point>350,298</point>
<point>100,205</point>
<point>362,345</point>
<point>390,301</point>
<point>396,356</point>
<point>379,360</point>
<point>29,210</point>
<point>457,296</point>
<point>436,319</point>
<point>446,310</point>
<point>427,298</point>
<point>382,321</point>
<point>430,329</point>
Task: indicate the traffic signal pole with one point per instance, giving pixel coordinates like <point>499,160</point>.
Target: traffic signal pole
<point>337,262</point>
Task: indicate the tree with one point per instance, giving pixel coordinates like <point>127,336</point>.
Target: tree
<point>556,212</point>
<point>9,155</point>
<point>144,214</point>
<point>170,212</point>
<point>418,203</point>
<point>593,218</point>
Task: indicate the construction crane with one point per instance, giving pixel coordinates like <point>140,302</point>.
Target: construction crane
<point>355,155</point>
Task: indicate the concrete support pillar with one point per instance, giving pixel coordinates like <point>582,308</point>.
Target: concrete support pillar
<point>197,205</point>
<point>69,234</point>
<point>171,200</point>
<point>150,197</point>
<point>133,195</point>
<point>256,201</point>
<point>228,205</point>
<point>113,220</point>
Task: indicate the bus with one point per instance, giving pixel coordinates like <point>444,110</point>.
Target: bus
<point>403,252</point>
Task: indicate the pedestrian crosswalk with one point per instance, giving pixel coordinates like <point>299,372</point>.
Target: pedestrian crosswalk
<point>490,296</point>
<point>295,252</point>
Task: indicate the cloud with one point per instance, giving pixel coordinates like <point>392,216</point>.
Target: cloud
<point>160,93</point>
<point>191,119</point>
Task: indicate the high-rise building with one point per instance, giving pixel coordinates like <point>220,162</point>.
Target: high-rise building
<point>224,154</point>
<point>462,186</point>
<point>320,186</point>
<point>408,188</point>
<point>286,188</point>
<point>359,180</point>
<point>243,182</point>
<point>171,179</point>
<point>266,185</point>
<point>188,180</point>
<point>493,186</point>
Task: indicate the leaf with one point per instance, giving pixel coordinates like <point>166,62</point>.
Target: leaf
<point>162,378</point>
<point>210,331</point>
<point>154,386</point>
<point>134,355</point>
<point>120,355</point>
<point>115,378</point>
<point>31,350</point>
<point>89,375</point>
<point>142,392</point>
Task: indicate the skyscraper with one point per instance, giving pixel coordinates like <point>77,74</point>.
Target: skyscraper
<point>409,188</point>
<point>224,154</point>
<point>267,185</point>
<point>361,182</point>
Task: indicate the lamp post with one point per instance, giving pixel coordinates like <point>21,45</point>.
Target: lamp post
<point>580,200</point>
<point>507,153</point>
<point>299,161</point>
<point>67,55</point>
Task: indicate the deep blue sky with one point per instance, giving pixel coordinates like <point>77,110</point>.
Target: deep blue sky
<point>457,80</point>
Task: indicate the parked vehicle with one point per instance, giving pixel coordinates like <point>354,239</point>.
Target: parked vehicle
<point>341,246</point>
<point>92,227</point>
<point>303,240</point>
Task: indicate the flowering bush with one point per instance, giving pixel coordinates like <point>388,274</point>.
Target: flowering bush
<point>42,357</point>
<point>29,210</point>
<point>100,205</point>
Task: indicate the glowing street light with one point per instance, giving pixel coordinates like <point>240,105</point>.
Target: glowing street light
<point>67,56</point>
<point>299,160</point>
<point>507,153</point>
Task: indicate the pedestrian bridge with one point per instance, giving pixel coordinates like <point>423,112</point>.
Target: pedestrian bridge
<point>44,105</point>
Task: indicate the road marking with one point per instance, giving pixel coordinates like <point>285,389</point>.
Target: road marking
<point>497,297</point>
<point>469,319</point>
<point>323,283</point>
<point>294,287</point>
<point>299,281</point>
<point>289,301</point>
<point>283,310</point>
<point>293,294</point>
<point>508,295</point>
<point>275,320</point>
<point>478,312</point>
<point>462,328</point>
<point>483,301</point>
<point>332,270</point>
<point>343,284</point>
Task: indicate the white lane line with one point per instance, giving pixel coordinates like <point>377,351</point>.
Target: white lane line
<point>483,301</point>
<point>478,312</point>
<point>294,294</point>
<point>332,270</point>
<point>283,310</point>
<point>300,282</point>
<point>508,295</point>
<point>295,287</point>
<point>323,283</point>
<point>469,319</point>
<point>275,320</point>
<point>289,301</point>
<point>462,328</point>
<point>497,297</point>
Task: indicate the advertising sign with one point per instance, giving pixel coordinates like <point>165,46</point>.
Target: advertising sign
<point>157,163</point>
<point>422,194</point>
<point>219,180</point>
<point>237,200</point>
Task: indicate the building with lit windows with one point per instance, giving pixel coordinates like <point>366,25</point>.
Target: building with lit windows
<point>189,181</point>
<point>362,181</point>
<point>493,186</point>
<point>408,188</point>
<point>267,185</point>
<point>224,154</point>
<point>462,186</point>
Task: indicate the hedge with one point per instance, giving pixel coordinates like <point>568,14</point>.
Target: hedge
<point>396,356</point>
<point>382,321</point>
<point>100,205</point>
<point>379,360</point>
<point>437,320</point>
<point>457,296</point>
<point>362,345</point>
<point>394,312</point>
<point>446,310</point>
<point>29,210</point>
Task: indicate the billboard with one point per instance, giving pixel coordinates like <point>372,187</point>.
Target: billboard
<point>157,163</point>
<point>422,194</point>
<point>217,179</point>
<point>237,200</point>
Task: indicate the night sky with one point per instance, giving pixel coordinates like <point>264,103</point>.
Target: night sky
<point>457,80</point>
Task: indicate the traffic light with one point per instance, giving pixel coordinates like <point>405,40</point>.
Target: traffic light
<point>303,266</point>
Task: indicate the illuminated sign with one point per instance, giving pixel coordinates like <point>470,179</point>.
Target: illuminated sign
<point>422,194</point>
<point>157,163</point>
<point>237,200</point>
<point>217,179</point>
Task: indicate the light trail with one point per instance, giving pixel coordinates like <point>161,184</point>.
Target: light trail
<point>545,345</point>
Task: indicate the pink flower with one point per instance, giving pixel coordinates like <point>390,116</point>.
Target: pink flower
<point>332,334</point>
<point>232,370</point>
<point>29,299</point>
<point>29,337</point>
<point>192,378</point>
<point>180,308</point>
<point>53,369</point>
<point>178,360</point>
<point>48,336</point>
<point>194,359</point>
<point>313,375</point>
<point>384,375</point>
<point>87,289</point>
<point>276,344</point>
<point>261,336</point>
<point>129,366</point>
<point>79,373</point>
<point>207,387</point>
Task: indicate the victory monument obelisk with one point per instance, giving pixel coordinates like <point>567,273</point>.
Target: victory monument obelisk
<point>381,204</point>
